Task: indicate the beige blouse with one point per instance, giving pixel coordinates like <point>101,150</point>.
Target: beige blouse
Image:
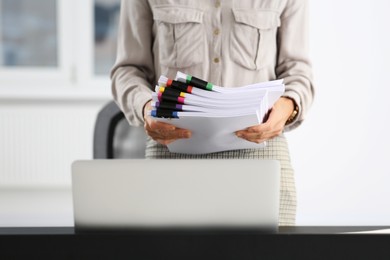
<point>227,42</point>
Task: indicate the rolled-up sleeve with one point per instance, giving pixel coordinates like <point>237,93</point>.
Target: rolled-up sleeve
<point>133,73</point>
<point>293,63</point>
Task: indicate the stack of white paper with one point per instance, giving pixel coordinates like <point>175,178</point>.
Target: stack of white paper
<point>212,113</point>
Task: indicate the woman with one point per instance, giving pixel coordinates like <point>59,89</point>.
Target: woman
<point>229,43</point>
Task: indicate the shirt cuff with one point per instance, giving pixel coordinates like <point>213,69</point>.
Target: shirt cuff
<point>298,118</point>
<point>141,98</point>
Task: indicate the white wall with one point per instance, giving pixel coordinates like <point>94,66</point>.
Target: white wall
<point>39,139</point>
<point>341,152</point>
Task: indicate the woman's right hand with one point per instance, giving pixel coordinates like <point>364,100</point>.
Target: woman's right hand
<point>161,132</point>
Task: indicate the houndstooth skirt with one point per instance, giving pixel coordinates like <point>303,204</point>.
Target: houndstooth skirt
<point>277,148</point>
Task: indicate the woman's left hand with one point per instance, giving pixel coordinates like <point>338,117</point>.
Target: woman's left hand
<point>274,125</point>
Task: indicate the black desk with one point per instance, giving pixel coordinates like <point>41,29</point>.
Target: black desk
<point>288,243</point>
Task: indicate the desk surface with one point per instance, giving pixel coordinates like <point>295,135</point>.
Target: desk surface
<point>288,243</point>
<point>284,230</point>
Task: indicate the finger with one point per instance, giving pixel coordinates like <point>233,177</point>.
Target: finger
<point>177,134</point>
<point>252,135</point>
<point>265,127</point>
<point>260,137</point>
<point>167,135</point>
<point>154,125</point>
<point>256,140</point>
<point>165,142</point>
<point>185,133</point>
<point>263,135</point>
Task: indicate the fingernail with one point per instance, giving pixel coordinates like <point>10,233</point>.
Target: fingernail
<point>239,134</point>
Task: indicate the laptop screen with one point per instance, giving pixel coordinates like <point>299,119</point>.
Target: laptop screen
<point>144,193</point>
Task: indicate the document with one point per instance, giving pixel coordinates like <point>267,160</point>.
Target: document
<point>212,113</point>
<point>213,133</point>
<point>232,104</point>
<point>232,93</point>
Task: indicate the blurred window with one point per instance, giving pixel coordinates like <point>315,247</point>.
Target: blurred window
<point>106,19</point>
<point>28,33</point>
<point>58,42</point>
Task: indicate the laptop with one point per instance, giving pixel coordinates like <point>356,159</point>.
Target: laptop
<point>169,193</point>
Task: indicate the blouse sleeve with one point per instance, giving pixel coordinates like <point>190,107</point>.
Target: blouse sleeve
<point>293,63</point>
<point>133,73</point>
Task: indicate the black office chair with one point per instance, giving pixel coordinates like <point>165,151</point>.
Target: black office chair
<point>114,137</point>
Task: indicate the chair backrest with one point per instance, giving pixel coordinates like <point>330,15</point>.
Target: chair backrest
<point>115,138</point>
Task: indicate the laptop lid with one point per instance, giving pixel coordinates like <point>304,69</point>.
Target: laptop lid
<point>167,193</point>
